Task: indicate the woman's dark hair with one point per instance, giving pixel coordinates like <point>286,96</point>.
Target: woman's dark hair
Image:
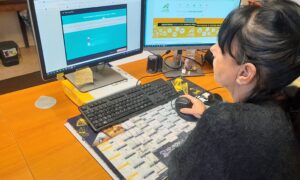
<point>268,37</point>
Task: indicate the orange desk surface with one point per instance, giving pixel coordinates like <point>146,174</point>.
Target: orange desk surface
<point>36,145</point>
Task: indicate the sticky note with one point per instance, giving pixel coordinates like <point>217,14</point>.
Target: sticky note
<point>83,76</point>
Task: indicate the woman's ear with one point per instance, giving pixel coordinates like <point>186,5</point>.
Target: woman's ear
<point>246,74</point>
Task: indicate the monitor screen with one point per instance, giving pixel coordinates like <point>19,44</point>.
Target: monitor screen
<point>184,24</point>
<point>71,34</point>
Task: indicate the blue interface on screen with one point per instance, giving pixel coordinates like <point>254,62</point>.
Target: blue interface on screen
<point>185,23</point>
<point>93,32</point>
<point>72,34</point>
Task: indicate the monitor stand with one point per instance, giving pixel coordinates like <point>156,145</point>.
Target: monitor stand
<point>103,75</point>
<point>174,68</point>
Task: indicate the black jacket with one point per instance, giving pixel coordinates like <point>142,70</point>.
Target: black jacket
<point>238,141</point>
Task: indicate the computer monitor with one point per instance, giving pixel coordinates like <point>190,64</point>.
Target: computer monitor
<point>182,24</point>
<point>72,34</point>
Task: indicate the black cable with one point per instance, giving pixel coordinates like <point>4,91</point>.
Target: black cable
<point>194,60</point>
<point>214,88</point>
<point>164,58</point>
<point>151,76</point>
<point>152,53</point>
<point>168,57</point>
<point>169,66</point>
<point>137,82</point>
<point>166,53</point>
<point>173,68</point>
<point>189,59</point>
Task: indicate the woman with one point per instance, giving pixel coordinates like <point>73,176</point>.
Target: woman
<point>257,56</point>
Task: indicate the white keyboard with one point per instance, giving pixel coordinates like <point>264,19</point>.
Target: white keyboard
<point>142,150</point>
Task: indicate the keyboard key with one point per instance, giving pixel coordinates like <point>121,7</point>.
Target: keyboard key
<point>159,167</point>
<point>128,154</point>
<point>164,112</point>
<point>164,132</point>
<point>135,132</point>
<point>151,159</point>
<point>135,161</point>
<point>145,171</point>
<point>129,172</point>
<point>126,136</point>
<point>134,144</point>
<point>128,125</point>
<point>142,151</point>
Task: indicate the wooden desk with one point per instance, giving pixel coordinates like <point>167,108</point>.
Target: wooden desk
<point>16,5</point>
<point>36,145</point>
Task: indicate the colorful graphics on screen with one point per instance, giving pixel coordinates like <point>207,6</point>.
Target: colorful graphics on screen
<point>186,27</point>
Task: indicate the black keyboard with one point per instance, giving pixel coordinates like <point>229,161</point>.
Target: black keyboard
<point>119,107</point>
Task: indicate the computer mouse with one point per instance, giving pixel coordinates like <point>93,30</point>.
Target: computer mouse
<point>183,102</point>
<point>213,99</point>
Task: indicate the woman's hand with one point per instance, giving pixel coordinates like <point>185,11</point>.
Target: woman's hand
<point>197,109</point>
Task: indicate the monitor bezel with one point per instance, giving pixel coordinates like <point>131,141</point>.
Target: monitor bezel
<point>39,48</point>
<point>171,46</point>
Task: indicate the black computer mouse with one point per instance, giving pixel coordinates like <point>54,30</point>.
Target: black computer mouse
<point>183,102</point>
<point>213,99</point>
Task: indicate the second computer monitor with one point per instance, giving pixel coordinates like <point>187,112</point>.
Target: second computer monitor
<point>182,24</point>
<point>73,34</point>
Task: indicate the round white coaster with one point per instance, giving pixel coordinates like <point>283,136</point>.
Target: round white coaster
<point>45,102</point>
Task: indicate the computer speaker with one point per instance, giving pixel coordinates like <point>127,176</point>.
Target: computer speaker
<point>154,64</point>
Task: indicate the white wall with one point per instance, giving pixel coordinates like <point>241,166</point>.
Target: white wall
<point>10,29</point>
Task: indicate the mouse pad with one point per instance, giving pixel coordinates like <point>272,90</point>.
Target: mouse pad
<point>139,148</point>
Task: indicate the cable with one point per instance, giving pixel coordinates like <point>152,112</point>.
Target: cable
<point>166,53</point>
<point>169,66</point>
<point>194,60</point>
<point>168,57</point>
<point>189,59</point>
<point>151,76</point>
<point>214,89</point>
<point>164,58</point>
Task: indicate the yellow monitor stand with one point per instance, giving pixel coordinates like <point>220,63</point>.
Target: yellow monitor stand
<point>80,97</point>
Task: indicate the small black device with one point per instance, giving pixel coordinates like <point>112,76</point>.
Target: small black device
<point>9,53</point>
<point>213,99</point>
<point>154,64</point>
<point>183,102</point>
